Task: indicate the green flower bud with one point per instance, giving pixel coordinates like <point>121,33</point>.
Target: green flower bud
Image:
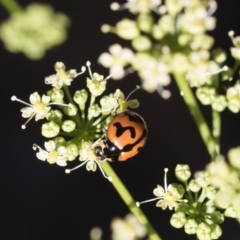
<point>50,129</point>
<point>216,231</point>
<point>141,43</point>
<point>203,231</point>
<point>224,197</point>
<point>234,157</point>
<point>56,95</point>
<point>217,217</point>
<point>59,141</point>
<point>55,116</point>
<point>173,7</point>
<point>94,111</point>
<point>194,186</point>
<point>182,207</point>
<point>219,56</point>
<point>178,220</point>
<point>71,110</point>
<point>145,22</point>
<point>167,24</point>
<point>72,151</point>
<point>203,179</point>
<point>190,226</point>
<point>68,126</point>
<point>219,103</point>
<point>230,212</point>
<point>177,190</point>
<point>157,32</point>
<point>127,29</point>
<point>80,97</point>
<point>184,39</point>
<point>205,95</point>
<point>182,172</point>
<point>211,192</point>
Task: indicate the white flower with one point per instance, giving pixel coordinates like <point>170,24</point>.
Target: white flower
<point>117,103</point>
<point>39,107</point>
<point>87,156</point>
<point>116,60</point>
<point>127,229</point>
<point>235,51</point>
<point>96,83</point>
<point>154,75</point>
<point>62,76</point>
<point>138,6</point>
<point>51,154</point>
<point>169,196</point>
<point>197,20</point>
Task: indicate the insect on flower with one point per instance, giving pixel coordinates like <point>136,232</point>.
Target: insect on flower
<point>125,136</point>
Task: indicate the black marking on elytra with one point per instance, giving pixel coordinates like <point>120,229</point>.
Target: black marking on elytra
<point>120,130</point>
<point>129,147</point>
<point>133,117</point>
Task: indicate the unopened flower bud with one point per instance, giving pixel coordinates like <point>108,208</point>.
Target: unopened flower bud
<point>182,172</point>
<point>190,226</point>
<point>50,129</point>
<point>80,97</point>
<point>68,126</point>
<point>178,220</point>
<point>194,186</point>
<point>71,110</point>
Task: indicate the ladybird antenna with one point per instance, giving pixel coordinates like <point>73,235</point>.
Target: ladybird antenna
<point>103,173</point>
<point>80,165</point>
<point>137,88</point>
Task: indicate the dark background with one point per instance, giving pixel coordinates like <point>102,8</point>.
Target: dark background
<point>38,200</point>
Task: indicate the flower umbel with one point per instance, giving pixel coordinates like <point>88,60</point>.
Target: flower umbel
<point>169,196</point>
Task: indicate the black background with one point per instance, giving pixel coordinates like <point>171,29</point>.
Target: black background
<point>38,200</point>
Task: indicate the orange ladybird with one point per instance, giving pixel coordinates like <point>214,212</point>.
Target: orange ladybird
<point>125,137</point>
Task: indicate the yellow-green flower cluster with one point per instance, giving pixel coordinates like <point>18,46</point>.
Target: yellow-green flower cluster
<point>224,176</point>
<point>172,41</point>
<point>34,30</point>
<point>77,122</point>
<point>198,202</point>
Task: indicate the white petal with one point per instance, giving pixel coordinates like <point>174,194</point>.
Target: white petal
<point>45,99</point>
<point>115,49</point>
<point>159,191</point>
<point>61,162</point>
<point>51,79</point>
<point>27,112</point>
<point>106,60</point>
<point>62,150</point>
<point>42,155</point>
<point>59,66</point>
<point>34,98</point>
<point>50,145</point>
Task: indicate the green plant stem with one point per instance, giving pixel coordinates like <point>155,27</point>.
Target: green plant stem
<point>76,117</point>
<point>216,129</point>
<point>196,114</point>
<point>11,5</point>
<point>129,201</point>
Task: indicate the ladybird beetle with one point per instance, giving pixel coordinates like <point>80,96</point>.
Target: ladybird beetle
<point>125,137</point>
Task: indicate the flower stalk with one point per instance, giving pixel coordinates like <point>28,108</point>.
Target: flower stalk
<point>11,5</point>
<point>196,114</point>
<point>129,201</point>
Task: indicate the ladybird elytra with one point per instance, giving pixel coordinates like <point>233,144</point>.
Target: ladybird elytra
<point>125,137</point>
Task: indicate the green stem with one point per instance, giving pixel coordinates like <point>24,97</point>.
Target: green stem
<point>190,197</point>
<point>196,114</point>
<point>76,117</point>
<point>216,129</point>
<point>129,201</point>
<point>11,5</point>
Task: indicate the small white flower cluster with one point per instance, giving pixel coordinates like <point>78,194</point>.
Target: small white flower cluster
<point>34,30</point>
<point>78,132</point>
<point>175,43</point>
